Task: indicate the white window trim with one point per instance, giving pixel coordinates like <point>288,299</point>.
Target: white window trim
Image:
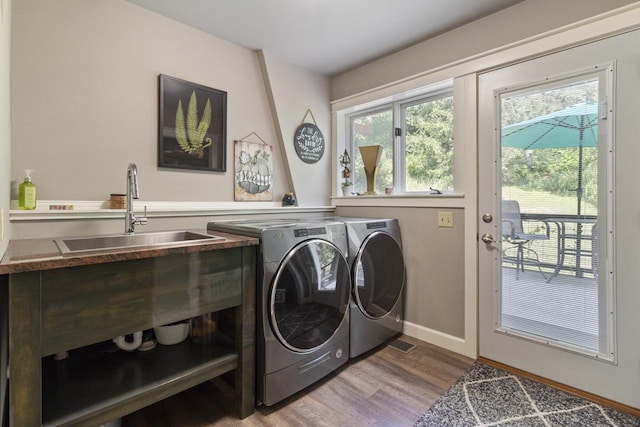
<point>397,104</point>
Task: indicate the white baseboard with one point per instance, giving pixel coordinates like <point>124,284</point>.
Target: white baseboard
<point>446,341</point>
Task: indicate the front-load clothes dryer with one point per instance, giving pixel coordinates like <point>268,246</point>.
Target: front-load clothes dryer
<point>378,277</point>
<point>302,303</point>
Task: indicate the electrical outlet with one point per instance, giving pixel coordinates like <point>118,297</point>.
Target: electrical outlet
<point>445,219</point>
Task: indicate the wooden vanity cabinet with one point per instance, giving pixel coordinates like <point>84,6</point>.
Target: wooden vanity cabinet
<point>79,309</point>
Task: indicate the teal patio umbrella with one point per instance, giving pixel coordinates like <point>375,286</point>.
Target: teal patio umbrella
<point>576,126</point>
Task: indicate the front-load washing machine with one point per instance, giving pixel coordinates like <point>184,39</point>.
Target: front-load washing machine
<point>302,302</point>
<point>378,277</point>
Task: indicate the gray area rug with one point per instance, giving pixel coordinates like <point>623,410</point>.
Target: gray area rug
<point>487,396</point>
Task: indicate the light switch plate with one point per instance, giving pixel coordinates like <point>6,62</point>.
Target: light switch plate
<point>445,219</point>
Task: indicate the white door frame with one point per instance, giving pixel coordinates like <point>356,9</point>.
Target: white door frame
<point>618,380</point>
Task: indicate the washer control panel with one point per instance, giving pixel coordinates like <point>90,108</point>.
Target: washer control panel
<point>306,232</point>
<point>376,225</point>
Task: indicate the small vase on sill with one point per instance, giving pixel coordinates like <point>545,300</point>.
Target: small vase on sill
<point>347,190</point>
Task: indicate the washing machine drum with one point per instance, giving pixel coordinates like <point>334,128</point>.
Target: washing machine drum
<point>378,275</point>
<point>309,295</point>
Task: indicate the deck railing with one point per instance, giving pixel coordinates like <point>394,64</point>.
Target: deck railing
<point>572,247</point>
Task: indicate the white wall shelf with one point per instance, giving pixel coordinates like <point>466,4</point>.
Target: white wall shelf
<point>155,209</point>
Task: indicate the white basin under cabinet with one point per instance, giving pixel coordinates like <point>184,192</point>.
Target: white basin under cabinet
<point>79,309</point>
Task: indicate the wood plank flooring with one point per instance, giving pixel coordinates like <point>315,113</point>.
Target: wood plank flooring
<point>384,387</point>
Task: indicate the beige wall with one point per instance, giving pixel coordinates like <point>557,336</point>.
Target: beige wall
<point>293,91</point>
<point>85,100</point>
<point>434,259</point>
<point>5,173</point>
<point>5,120</point>
<point>526,19</point>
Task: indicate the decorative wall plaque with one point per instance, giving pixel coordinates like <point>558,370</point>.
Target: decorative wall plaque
<point>253,170</point>
<point>309,141</point>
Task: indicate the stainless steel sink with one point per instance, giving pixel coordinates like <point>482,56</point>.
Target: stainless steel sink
<point>124,241</point>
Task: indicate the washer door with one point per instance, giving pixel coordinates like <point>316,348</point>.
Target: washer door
<point>378,275</point>
<point>309,296</point>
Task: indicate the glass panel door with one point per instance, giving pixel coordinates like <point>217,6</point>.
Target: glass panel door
<point>544,336</point>
<point>549,150</point>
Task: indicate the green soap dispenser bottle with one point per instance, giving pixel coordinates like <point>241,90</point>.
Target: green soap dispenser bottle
<point>27,193</point>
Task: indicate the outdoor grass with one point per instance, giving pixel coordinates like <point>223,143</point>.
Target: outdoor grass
<point>546,203</point>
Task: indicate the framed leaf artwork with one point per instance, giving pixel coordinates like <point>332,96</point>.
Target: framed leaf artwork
<point>192,126</point>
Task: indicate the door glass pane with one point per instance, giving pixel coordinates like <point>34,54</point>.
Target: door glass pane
<point>310,295</point>
<point>379,275</point>
<point>549,162</point>
<point>373,128</point>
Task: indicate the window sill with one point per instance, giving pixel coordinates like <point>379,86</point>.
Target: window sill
<point>402,200</point>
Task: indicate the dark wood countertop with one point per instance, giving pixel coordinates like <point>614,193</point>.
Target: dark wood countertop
<point>43,254</point>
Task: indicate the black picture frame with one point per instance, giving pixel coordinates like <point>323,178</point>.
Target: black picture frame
<point>191,144</point>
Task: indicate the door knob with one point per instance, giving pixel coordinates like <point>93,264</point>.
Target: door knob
<point>487,238</point>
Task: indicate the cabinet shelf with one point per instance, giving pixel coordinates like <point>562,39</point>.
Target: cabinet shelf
<point>94,385</point>
<point>81,308</point>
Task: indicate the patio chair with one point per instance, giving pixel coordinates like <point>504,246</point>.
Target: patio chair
<point>513,232</point>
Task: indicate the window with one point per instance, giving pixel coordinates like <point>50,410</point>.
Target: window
<point>416,136</point>
<point>428,143</point>
<point>373,128</point>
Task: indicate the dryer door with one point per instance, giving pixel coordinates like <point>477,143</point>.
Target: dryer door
<point>378,275</point>
<point>309,295</point>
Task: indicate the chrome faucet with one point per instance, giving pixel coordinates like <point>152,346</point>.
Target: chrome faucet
<point>133,192</point>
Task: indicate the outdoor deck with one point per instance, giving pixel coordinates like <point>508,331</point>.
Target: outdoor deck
<point>566,309</point>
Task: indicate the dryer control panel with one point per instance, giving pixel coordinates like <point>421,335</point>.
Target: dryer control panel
<point>376,225</point>
<point>306,232</point>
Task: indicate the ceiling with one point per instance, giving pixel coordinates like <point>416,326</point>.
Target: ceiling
<point>326,36</point>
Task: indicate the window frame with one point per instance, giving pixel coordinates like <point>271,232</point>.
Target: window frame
<point>397,105</point>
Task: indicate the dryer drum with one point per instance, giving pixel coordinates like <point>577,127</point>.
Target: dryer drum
<point>315,279</point>
<point>378,275</point>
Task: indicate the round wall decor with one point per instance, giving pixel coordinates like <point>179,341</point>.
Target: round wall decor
<point>309,143</point>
